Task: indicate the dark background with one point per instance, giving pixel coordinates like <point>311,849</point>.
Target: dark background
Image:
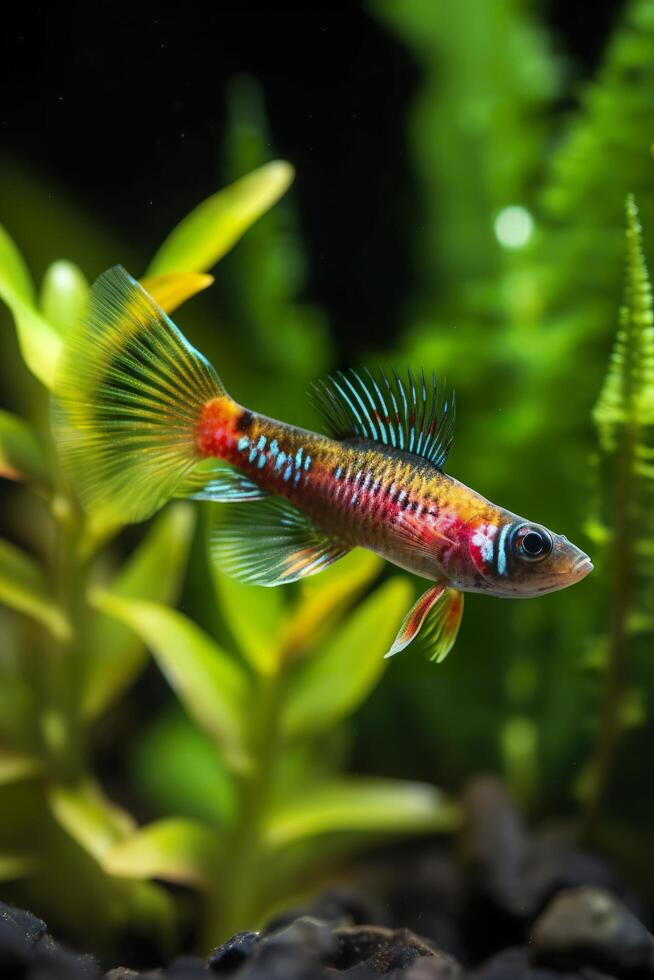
<point>123,106</point>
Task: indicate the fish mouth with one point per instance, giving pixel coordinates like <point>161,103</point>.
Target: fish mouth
<point>581,567</point>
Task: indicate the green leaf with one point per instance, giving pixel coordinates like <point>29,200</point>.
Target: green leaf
<point>24,587</point>
<point>22,456</point>
<point>14,274</point>
<point>40,344</point>
<point>175,768</point>
<point>331,684</point>
<point>15,866</point>
<point>173,289</point>
<point>154,571</point>
<point>210,685</point>
<point>254,616</point>
<point>182,851</point>
<point>375,806</point>
<point>213,227</point>
<point>15,766</point>
<point>89,817</point>
<point>64,295</point>
<point>324,597</point>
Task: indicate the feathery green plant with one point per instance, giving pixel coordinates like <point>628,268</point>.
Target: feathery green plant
<point>624,418</point>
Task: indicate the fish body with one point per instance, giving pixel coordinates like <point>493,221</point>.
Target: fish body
<point>142,416</point>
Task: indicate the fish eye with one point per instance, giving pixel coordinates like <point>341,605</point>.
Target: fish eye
<point>532,543</point>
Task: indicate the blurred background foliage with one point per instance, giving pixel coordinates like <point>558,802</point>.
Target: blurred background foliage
<point>509,204</point>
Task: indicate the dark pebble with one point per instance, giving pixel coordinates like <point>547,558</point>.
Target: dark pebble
<point>229,957</point>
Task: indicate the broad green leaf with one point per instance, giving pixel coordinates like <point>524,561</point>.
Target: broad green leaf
<point>179,850</point>
<point>254,615</point>
<point>15,866</point>
<point>154,571</point>
<point>64,295</point>
<point>376,806</point>
<point>89,817</point>
<point>210,685</point>
<point>14,274</point>
<point>331,684</point>
<point>15,766</point>
<point>324,598</point>
<point>176,769</point>
<point>24,587</point>
<point>173,289</point>
<point>22,456</point>
<point>213,227</point>
<point>40,344</point>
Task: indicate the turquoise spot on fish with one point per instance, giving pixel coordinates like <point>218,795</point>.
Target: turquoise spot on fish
<point>298,458</point>
<point>296,478</point>
<point>274,447</point>
<point>307,462</point>
<point>253,454</point>
<point>288,471</point>
<point>243,443</point>
<point>339,473</point>
<point>279,462</point>
<point>501,550</point>
<point>261,462</point>
<point>262,443</point>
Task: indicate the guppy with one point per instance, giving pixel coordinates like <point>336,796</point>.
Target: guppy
<point>143,417</point>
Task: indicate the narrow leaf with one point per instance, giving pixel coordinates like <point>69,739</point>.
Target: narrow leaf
<point>324,597</point>
<point>40,344</point>
<point>179,850</point>
<point>210,230</point>
<point>154,571</point>
<point>331,684</point>
<point>24,587</point>
<point>254,615</point>
<point>15,766</point>
<point>173,289</point>
<point>89,817</point>
<point>64,295</point>
<point>210,685</point>
<point>21,454</point>
<point>375,806</point>
<point>14,274</point>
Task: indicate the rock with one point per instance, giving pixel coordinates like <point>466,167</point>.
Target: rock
<point>336,907</point>
<point>590,927</point>
<point>28,951</point>
<point>229,957</point>
<point>514,964</point>
<point>379,951</point>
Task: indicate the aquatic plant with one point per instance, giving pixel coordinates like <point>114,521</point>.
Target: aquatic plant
<point>624,526</point>
<point>78,643</point>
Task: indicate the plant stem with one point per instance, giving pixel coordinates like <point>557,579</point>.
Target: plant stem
<point>63,727</point>
<point>610,721</point>
<point>235,907</point>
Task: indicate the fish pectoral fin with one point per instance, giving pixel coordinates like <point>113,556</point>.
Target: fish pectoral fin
<point>436,616</point>
<point>219,482</point>
<point>270,543</point>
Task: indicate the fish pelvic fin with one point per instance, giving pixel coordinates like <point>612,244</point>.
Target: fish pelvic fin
<point>436,616</point>
<point>129,396</point>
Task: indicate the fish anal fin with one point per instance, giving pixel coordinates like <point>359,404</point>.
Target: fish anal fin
<point>270,543</point>
<point>221,483</point>
<point>436,617</point>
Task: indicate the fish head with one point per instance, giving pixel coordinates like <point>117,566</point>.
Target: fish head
<point>514,557</point>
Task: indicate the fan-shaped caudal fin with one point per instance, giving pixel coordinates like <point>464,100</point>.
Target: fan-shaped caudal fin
<point>130,393</point>
<point>436,616</point>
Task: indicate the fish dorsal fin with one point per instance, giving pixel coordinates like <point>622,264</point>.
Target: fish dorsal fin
<point>416,416</point>
<point>270,542</point>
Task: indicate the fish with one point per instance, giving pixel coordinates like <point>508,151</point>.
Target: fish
<point>143,417</point>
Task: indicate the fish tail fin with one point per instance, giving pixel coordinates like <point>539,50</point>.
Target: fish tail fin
<point>129,396</point>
